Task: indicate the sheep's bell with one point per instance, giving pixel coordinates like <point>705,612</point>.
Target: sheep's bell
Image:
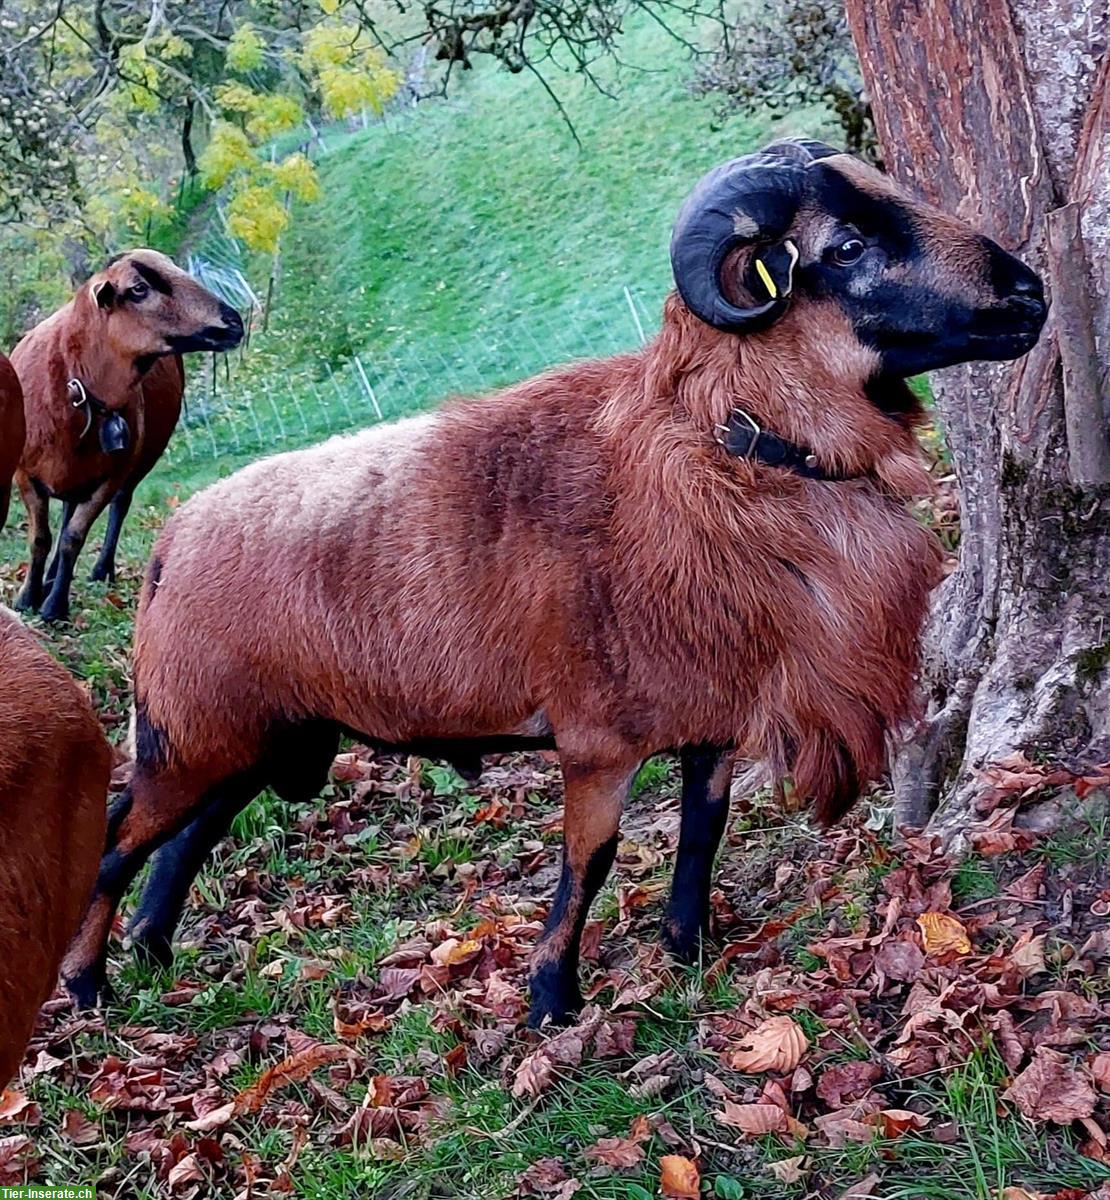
<point>115,436</point>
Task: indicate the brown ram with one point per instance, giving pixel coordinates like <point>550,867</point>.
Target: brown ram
<point>11,432</point>
<point>102,385</point>
<point>703,544</point>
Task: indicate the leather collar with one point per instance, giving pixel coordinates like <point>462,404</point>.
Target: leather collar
<point>743,437</point>
<point>115,436</point>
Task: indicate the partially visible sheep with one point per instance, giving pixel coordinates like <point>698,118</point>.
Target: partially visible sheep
<point>702,545</point>
<point>54,765</point>
<point>12,432</point>
<point>92,374</point>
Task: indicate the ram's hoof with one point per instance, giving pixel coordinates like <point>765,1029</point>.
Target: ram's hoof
<point>556,998</point>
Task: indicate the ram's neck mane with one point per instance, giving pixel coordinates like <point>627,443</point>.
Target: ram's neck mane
<point>807,379</point>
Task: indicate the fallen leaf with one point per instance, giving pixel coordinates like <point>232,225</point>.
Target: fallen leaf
<point>186,1170</point>
<point>534,1075</point>
<point>640,1129</point>
<point>900,960</point>
<point>789,1170</point>
<point>943,934</point>
<point>865,1187</point>
<point>894,1122</point>
<point>452,951</point>
<point>679,1178</point>
<point>753,1119</point>
<point>78,1129</point>
<point>616,1152</point>
<point>18,1159</point>
<point>1027,956</point>
<point>17,1109</point>
<point>776,1045</point>
<point>1100,1071</point>
<point>294,1069</point>
<point>1097,945</point>
<point>846,1082</point>
<point>547,1177</point>
<point>1051,1089</point>
<point>215,1118</point>
<point>1028,886</point>
<point>844,1126</point>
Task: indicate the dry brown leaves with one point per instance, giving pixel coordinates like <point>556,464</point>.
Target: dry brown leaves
<point>943,934</point>
<point>910,982</point>
<point>537,1071</point>
<point>547,1177</point>
<point>776,1045</point>
<point>18,1159</point>
<point>679,1177</point>
<point>1051,1088</point>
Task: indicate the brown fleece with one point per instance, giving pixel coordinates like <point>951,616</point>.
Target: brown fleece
<point>54,765</point>
<point>576,545</point>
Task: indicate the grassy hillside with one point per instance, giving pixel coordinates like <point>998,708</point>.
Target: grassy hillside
<point>459,245</point>
<point>464,244</point>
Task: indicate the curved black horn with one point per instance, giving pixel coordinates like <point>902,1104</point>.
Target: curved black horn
<point>803,150</point>
<point>753,198</point>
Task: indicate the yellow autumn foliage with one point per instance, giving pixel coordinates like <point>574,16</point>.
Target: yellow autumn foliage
<point>295,174</point>
<point>244,49</point>
<point>349,70</point>
<point>228,150</point>
<point>257,216</point>
<point>267,113</point>
<point>141,73</point>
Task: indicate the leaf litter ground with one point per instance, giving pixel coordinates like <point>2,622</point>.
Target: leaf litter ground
<point>345,1014</point>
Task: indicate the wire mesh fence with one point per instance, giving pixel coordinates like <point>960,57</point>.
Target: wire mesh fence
<point>231,412</point>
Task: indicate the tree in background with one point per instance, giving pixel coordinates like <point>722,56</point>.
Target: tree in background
<point>782,55</point>
<point>94,86</point>
<point>999,110</point>
<point>91,89</point>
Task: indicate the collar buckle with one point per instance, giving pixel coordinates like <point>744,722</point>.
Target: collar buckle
<point>78,396</point>
<point>753,431</point>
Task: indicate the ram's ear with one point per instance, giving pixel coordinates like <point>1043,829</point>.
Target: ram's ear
<point>770,273</point>
<point>104,293</point>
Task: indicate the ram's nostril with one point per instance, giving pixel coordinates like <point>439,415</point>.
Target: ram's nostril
<point>1028,287</point>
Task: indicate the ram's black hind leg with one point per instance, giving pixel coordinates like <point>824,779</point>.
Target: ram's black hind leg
<point>706,778</point>
<point>296,767</point>
<point>174,867</point>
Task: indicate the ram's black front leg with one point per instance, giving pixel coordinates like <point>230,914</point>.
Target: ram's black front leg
<point>706,778</point>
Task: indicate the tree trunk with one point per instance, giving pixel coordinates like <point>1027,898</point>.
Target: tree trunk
<point>187,151</point>
<point>998,110</point>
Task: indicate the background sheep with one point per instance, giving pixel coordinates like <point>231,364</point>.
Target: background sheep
<point>92,375</point>
<point>54,765</point>
<point>608,552</point>
<point>11,432</point>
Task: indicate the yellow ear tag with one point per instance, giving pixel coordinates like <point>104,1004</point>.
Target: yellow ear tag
<point>765,275</point>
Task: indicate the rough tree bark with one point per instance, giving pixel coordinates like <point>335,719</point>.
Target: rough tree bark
<point>999,110</point>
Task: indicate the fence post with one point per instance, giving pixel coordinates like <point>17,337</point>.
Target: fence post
<point>635,315</point>
<point>368,388</point>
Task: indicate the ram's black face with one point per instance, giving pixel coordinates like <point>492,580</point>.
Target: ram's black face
<point>920,288</point>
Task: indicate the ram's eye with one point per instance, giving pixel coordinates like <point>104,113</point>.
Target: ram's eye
<point>849,251</point>
<point>138,290</point>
